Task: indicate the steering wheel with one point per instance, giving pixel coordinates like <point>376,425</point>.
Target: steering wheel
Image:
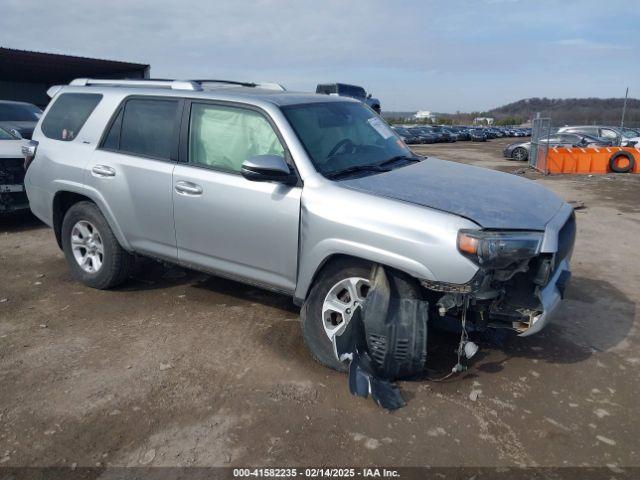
<point>341,144</point>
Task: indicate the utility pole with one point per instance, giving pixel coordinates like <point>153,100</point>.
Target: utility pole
<point>624,108</point>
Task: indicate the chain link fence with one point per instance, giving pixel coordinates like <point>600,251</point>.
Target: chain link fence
<point>540,143</point>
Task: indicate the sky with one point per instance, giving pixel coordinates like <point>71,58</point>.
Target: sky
<point>438,55</point>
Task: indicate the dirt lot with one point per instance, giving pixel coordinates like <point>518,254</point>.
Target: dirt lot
<point>179,368</point>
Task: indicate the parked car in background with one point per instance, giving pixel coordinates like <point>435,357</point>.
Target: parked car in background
<point>13,197</point>
<point>425,134</point>
<point>520,151</point>
<point>625,137</point>
<point>19,117</point>
<point>252,185</point>
<point>406,136</point>
<point>442,134</point>
<point>462,133</point>
<point>477,135</point>
<point>351,91</point>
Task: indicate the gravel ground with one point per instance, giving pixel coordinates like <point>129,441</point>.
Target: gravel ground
<point>178,368</point>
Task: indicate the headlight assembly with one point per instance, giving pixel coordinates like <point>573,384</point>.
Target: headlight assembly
<point>498,250</point>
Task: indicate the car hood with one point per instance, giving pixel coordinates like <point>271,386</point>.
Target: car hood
<point>493,200</point>
<point>11,148</point>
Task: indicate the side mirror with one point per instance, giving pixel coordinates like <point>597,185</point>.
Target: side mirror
<point>268,168</point>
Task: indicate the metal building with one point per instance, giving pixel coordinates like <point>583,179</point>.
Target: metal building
<point>25,76</point>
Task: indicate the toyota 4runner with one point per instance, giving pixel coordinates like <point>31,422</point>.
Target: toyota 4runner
<point>297,193</point>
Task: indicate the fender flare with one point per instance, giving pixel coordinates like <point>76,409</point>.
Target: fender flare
<point>315,262</point>
<point>95,197</point>
<point>613,165</point>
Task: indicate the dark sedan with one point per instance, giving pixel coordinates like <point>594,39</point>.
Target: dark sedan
<point>425,134</point>
<point>406,136</point>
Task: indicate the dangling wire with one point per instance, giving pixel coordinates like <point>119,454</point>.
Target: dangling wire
<point>458,367</point>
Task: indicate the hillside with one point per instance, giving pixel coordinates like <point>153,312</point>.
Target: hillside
<point>562,111</point>
<point>571,110</point>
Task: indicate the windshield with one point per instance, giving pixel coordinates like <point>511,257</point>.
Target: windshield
<point>341,135</point>
<point>18,112</point>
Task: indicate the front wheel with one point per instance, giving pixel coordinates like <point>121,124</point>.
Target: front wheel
<point>92,251</point>
<point>339,289</point>
<point>520,154</point>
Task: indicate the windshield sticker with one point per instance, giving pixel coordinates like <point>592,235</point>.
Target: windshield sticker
<point>380,127</point>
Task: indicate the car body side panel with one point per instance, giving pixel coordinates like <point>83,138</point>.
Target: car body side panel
<point>238,227</point>
<point>415,239</point>
<point>139,197</point>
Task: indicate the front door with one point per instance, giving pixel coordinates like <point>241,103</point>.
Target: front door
<point>224,222</point>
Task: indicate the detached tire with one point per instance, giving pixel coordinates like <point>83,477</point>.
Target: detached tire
<point>92,251</point>
<point>311,314</point>
<point>615,159</point>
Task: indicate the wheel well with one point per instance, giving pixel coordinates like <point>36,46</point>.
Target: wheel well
<point>62,202</point>
<point>348,260</point>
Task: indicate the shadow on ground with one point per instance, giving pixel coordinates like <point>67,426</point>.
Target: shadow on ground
<point>19,222</point>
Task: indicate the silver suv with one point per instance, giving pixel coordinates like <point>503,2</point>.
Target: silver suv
<point>297,193</point>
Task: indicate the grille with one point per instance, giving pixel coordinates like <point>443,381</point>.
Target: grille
<point>12,170</point>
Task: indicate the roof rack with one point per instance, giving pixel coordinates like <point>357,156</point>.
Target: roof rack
<point>195,85</point>
<point>170,84</point>
<point>234,83</point>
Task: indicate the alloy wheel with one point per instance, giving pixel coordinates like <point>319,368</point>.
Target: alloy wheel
<point>87,246</point>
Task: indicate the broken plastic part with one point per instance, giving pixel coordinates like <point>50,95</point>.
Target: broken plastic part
<point>385,339</point>
<point>395,322</point>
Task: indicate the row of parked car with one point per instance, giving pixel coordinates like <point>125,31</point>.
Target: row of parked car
<point>417,134</point>
<point>578,136</point>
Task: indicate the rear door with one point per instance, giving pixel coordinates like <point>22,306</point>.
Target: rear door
<point>224,222</point>
<point>132,169</point>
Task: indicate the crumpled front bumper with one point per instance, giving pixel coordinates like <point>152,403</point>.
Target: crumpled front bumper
<point>550,297</point>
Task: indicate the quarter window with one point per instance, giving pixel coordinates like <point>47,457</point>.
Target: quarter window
<point>68,114</point>
<point>224,137</point>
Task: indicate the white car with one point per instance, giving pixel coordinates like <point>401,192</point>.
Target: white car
<point>13,197</point>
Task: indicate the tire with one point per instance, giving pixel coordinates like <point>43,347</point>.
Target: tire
<point>311,318</point>
<point>520,154</point>
<point>613,162</point>
<point>114,262</point>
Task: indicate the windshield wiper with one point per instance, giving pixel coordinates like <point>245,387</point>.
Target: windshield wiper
<point>398,158</point>
<point>355,169</point>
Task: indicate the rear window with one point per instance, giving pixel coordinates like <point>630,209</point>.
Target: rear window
<point>68,114</point>
<point>144,127</point>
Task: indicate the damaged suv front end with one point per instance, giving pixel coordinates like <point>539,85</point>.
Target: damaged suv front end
<point>521,278</point>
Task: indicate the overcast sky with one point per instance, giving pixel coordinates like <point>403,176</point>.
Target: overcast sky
<point>415,54</point>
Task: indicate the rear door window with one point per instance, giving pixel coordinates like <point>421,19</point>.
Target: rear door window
<point>68,114</point>
<point>146,127</point>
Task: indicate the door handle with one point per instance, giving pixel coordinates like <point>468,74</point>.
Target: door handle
<point>103,171</point>
<point>188,188</point>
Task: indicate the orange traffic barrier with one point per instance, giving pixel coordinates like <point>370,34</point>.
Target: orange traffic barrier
<point>590,160</point>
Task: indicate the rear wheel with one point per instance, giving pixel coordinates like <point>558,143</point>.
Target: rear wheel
<point>339,289</point>
<point>92,251</point>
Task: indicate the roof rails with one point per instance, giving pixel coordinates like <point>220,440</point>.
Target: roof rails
<point>170,84</point>
<point>194,85</point>
<point>234,83</point>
